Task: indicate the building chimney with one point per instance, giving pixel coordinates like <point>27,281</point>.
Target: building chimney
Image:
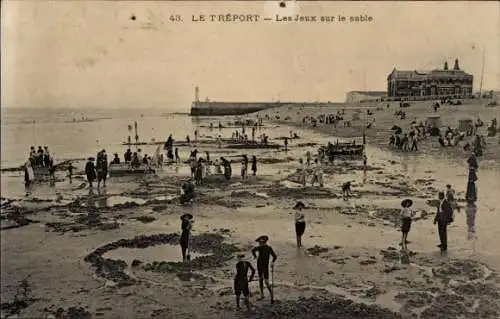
<point>456,67</point>
<point>446,65</point>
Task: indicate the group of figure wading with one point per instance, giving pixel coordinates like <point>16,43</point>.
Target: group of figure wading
<point>38,158</point>
<point>97,171</point>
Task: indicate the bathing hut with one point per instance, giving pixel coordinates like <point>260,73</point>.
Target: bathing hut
<point>465,125</point>
<point>434,121</point>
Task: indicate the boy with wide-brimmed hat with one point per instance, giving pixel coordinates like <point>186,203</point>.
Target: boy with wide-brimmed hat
<point>265,252</point>
<point>406,218</point>
<point>241,280</point>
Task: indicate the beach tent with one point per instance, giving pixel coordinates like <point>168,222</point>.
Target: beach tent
<point>434,121</point>
<point>464,125</point>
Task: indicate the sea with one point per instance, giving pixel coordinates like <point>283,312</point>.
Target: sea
<point>76,134</point>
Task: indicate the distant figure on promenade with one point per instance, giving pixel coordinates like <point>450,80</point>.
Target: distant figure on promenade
<point>241,280</point>
<point>286,144</point>
<point>300,222</point>
<point>443,218</point>
<point>265,252</point>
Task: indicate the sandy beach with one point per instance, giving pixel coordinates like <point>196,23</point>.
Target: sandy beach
<point>114,252</point>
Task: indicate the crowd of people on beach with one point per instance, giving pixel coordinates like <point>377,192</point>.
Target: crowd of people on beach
<point>311,169</point>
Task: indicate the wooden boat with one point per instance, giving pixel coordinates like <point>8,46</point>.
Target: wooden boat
<point>344,151</point>
<point>124,169</point>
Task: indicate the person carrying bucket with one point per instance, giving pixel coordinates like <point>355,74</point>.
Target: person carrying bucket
<point>265,252</point>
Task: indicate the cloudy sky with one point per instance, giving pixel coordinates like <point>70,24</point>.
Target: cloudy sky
<point>92,54</point>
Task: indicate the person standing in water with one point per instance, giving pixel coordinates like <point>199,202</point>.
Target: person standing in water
<point>90,171</point>
<point>443,219</point>
<point>102,168</point>
<point>70,172</point>
<point>406,218</point>
<point>186,227</point>
<point>265,252</point>
<point>254,165</point>
<point>300,222</point>
<point>470,211</point>
<point>244,168</point>
<point>241,280</point>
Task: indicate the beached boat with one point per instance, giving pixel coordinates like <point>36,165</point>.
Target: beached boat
<point>347,151</point>
<point>124,169</point>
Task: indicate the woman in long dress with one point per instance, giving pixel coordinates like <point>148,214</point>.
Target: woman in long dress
<point>470,211</point>
<point>300,222</point>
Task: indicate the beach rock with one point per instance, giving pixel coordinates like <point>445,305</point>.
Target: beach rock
<point>321,308</point>
<point>316,250</point>
<point>414,299</point>
<point>145,219</point>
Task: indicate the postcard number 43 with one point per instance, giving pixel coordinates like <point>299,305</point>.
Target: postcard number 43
<point>175,18</point>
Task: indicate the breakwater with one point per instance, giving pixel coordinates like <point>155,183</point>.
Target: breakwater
<point>240,108</point>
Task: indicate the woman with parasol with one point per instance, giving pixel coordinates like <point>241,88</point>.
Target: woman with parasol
<point>265,252</point>
<point>300,222</point>
<point>186,226</point>
<point>406,218</point>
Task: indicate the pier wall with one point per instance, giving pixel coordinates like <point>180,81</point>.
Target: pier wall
<point>240,108</point>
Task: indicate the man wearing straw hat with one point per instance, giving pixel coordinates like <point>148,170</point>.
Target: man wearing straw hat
<point>265,252</point>
<point>241,280</point>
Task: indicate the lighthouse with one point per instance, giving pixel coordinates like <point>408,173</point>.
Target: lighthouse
<point>197,94</point>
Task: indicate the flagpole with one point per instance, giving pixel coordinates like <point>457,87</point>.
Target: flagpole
<point>482,74</point>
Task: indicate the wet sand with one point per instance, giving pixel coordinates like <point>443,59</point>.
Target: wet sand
<point>81,254</point>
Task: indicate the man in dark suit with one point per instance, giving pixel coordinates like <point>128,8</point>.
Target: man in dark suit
<point>444,217</point>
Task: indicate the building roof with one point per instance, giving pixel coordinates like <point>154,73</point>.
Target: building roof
<point>405,74</point>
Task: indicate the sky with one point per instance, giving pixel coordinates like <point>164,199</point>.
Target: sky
<point>92,54</point>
